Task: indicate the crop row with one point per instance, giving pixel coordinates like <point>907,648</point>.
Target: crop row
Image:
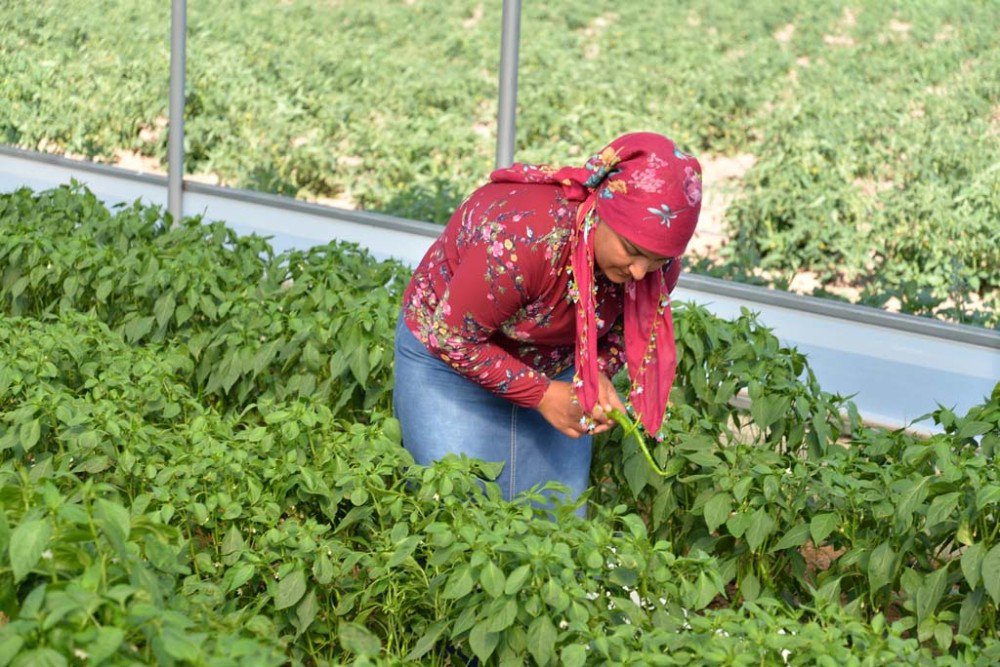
<point>155,507</point>
<point>877,182</point>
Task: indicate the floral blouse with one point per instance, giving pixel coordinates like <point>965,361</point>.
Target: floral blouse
<point>494,296</point>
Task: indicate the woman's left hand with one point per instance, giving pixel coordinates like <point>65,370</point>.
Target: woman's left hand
<point>607,400</point>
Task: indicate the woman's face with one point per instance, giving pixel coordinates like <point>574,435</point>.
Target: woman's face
<point>620,259</point>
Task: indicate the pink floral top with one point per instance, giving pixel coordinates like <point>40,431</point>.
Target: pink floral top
<point>494,296</point>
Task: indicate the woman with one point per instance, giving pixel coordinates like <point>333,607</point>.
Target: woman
<point>543,284</point>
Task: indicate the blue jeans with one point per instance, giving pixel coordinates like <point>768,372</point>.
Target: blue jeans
<point>442,412</point>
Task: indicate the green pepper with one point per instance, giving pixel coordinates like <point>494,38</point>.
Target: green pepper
<point>632,428</point>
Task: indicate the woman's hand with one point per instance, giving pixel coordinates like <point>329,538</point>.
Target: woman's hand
<point>607,400</point>
<point>561,408</point>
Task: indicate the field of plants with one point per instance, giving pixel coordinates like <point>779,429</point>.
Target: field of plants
<point>198,466</point>
<point>872,128</point>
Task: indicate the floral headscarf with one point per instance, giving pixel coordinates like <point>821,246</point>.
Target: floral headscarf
<point>649,192</point>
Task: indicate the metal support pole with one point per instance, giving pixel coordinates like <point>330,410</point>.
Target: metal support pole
<point>175,145</point>
<point>509,41</point>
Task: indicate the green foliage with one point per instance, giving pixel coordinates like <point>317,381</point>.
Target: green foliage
<point>153,513</point>
<point>874,125</point>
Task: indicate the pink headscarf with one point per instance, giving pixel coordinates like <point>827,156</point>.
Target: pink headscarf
<point>649,192</point>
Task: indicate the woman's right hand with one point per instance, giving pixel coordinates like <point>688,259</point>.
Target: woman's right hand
<point>560,408</point>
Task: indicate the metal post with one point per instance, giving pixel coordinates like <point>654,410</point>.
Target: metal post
<point>175,146</point>
<point>510,38</point>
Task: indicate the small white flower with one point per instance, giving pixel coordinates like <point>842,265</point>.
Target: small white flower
<point>437,497</point>
<point>634,597</point>
<point>47,554</point>
<point>592,596</point>
<point>663,601</point>
<point>563,624</point>
<point>81,654</point>
<point>784,655</point>
<point>781,631</point>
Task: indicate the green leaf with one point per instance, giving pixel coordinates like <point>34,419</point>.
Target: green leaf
<point>881,565</point>
<point>4,534</point>
<point>717,510</point>
<point>290,589</point>
<point>503,616</point>
<point>115,522</point>
<point>403,550</point>
<point>359,365</point>
<point>232,545</point>
<point>821,526</point>
<point>179,645</point>
<point>305,613</point>
<point>909,500</point>
<point>635,469</point>
<point>930,592</point>
<point>482,641</point>
<point>323,569</point>
<point>138,327</point>
<point>989,494</point>
<point>358,639</point>
<point>738,523</point>
<point>750,587</point>
<point>574,655</point>
<point>10,646</point>
<point>542,639</point>
<point>164,309</point>
<point>459,583</point>
<point>427,641</point>
<point>29,434</point>
<point>970,429</point>
<point>941,508</point>
<point>40,657</point>
<point>943,636</point>
<point>766,410</point>
<point>761,526</point>
<point>706,590</point>
<point>240,575</point>
<point>797,536</point>
<point>516,580</point>
<point>741,488</point>
<point>27,542</point>
<point>492,579</point>
<point>970,616</point>
<point>991,573</point>
<point>554,596</point>
<point>972,563</point>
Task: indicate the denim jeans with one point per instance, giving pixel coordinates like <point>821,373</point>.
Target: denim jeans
<point>442,412</point>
